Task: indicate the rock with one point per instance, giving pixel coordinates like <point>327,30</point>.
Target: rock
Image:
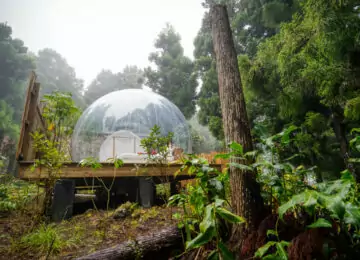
<point>121,213</point>
<point>124,210</point>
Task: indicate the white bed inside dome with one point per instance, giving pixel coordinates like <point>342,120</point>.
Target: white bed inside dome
<point>123,145</point>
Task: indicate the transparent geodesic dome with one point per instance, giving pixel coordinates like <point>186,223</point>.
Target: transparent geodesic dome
<point>116,123</point>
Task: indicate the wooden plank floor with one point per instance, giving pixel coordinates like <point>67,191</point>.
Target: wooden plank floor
<point>74,170</point>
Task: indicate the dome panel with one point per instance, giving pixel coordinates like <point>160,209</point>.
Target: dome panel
<point>130,111</point>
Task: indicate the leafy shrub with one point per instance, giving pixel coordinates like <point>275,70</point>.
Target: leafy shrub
<point>205,209</point>
<point>330,204</point>
<point>14,193</point>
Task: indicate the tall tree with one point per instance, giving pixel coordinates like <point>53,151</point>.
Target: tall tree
<point>106,82</point>
<point>173,77</point>
<point>245,191</point>
<point>309,72</point>
<point>55,74</point>
<point>15,66</point>
<point>252,22</point>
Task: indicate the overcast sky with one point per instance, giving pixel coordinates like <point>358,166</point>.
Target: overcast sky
<point>97,34</point>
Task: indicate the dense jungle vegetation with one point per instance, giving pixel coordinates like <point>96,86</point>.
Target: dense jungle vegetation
<point>299,64</point>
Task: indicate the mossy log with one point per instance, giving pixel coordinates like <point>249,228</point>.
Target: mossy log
<point>152,246</point>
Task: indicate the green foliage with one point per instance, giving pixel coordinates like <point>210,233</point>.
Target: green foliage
<point>94,164</point>
<point>51,158</point>
<point>156,145</point>
<point>355,142</point>
<point>336,200</point>
<point>7,126</point>
<point>307,75</point>
<point>293,189</point>
<point>52,144</point>
<point>352,109</point>
<point>252,21</point>
<point>15,194</point>
<point>173,77</point>
<point>15,64</point>
<point>45,240</point>
<point>280,250</point>
<point>205,209</point>
<point>91,162</point>
<point>61,115</point>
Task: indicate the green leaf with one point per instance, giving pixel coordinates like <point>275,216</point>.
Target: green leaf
<point>337,208</point>
<point>216,184</point>
<point>176,216</point>
<point>355,143</point>
<point>320,223</point>
<point>262,250</point>
<point>202,238</point>
<point>118,163</point>
<point>355,130</point>
<point>285,135</point>
<point>271,257</point>
<point>346,175</point>
<point>225,252</point>
<point>236,147</point>
<point>354,160</point>
<point>271,232</point>
<point>241,166</point>
<point>251,154</point>
<point>352,215</point>
<point>214,255</point>
<point>208,219</point>
<point>281,250</point>
<point>228,216</point>
<point>219,202</point>
<point>299,199</point>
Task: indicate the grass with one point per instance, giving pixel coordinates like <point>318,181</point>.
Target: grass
<point>46,239</point>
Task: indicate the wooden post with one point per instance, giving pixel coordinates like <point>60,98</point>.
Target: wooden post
<point>24,120</point>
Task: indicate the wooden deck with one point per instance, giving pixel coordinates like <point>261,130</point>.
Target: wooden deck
<point>74,170</point>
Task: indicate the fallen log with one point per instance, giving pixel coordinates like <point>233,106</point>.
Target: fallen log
<point>145,247</point>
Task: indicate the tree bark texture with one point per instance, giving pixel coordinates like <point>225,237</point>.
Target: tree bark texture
<point>340,133</point>
<point>147,247</point>
<point>245,191</point>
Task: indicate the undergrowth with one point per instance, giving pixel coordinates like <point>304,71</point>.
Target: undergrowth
<point>15,194</point>
<point>303,210</point>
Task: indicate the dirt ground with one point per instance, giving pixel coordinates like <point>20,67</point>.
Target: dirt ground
<point>81,235</point>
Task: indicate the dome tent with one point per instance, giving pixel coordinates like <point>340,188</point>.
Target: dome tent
<point>131,113</point>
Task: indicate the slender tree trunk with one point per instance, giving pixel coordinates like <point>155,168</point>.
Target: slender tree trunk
<point>340,133</point>
<point>339,130</point>
<point>245,191</point>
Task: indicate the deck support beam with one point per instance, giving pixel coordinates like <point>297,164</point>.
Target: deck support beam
<point>147,190</point>
<point>63,200</point>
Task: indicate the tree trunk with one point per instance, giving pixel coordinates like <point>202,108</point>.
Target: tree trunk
<point>245,191</point>
<point>147,247</point>
<point>340,133</point>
